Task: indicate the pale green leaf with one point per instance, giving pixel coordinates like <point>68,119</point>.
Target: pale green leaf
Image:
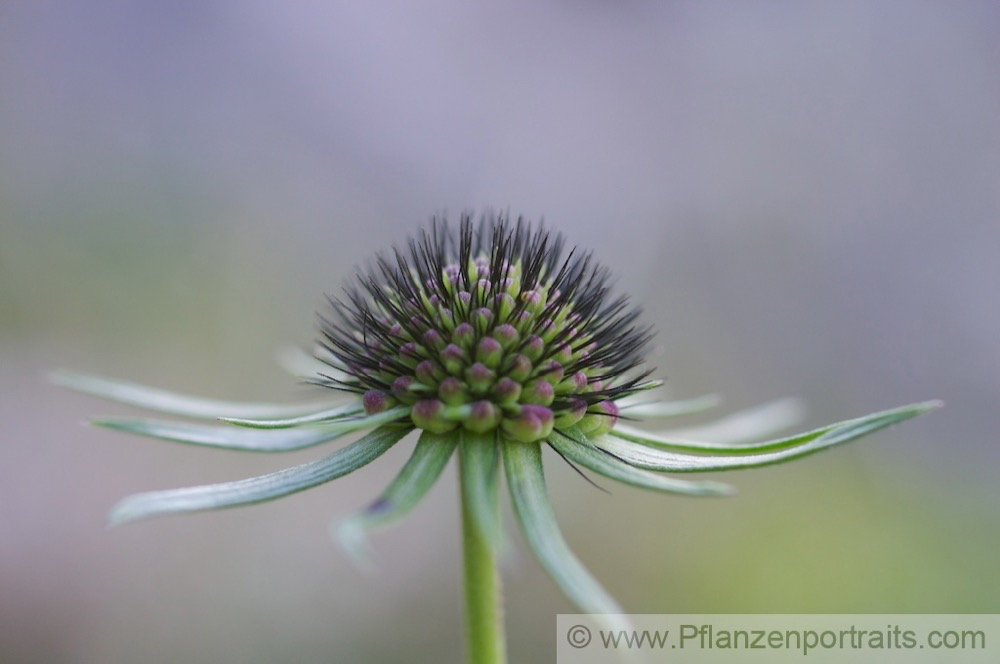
<point>238,438</point>
<point>479,456</point>
<point>258,489</point>
<point>605,464</point>
<point>729,435</point>
<point>163,401</point>
<point>526,480</point>
<point>417,476</point>
<point>342,414</point>
<point>650,458</point>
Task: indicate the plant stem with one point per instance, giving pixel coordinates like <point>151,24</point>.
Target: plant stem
<point>483,598</point>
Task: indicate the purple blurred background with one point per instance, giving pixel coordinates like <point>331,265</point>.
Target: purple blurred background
<point>803,197</point>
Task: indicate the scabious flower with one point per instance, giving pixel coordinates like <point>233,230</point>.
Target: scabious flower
<point>491,339</point>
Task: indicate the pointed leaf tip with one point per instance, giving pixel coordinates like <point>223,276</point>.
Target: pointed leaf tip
<point>261,488</point>
<point>652,454</point>
<point>163,401</point>
<point>408,488</point>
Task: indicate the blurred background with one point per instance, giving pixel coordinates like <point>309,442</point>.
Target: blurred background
<point>802,196</point>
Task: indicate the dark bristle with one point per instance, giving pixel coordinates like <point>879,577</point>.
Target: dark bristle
<point>580,472</point>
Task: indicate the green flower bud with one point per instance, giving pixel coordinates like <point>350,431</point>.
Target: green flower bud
<point>479,378</point>
<point>571,414</point>
<point>429,415</point>
<point>453,391</point>
<point>489,352</point>
<point>376,401</point>
<point>484,416</point>
<point>453,359</point>
<point>538,391</point>
<point>532,423</point>
<point>600,418</point>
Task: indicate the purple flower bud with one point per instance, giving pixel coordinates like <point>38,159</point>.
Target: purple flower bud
<point>506,334</point>
<point>489,352</point>
<point>429,372</point>
<point>479,378</point>
<point>401,388</point>
<point>428,414</point>
<point>571,414</point>
<point>504,305</point>
<point>376,401</point>
<point>531,424</point>
<point>484,417</point>
<point>533,301</point>
<point>600,418</point>
<point>564,353</point>
<point>453,359</point>
<point>551,371</point>
<point>507,391</point>
<point>482,319</point>
<point>533,347</point>
<point>452,391</point>
<point>538,391</point>
<point>464,335</point>
<point>518,367</point>
<point>433,339</point>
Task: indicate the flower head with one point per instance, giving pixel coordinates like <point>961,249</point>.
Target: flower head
<point>491,339</point>
<point>489,329</point>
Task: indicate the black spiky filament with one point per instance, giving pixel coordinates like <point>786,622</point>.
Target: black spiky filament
<point>487,328</point>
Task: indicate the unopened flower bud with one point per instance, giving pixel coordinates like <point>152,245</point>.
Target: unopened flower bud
<point>531,424</point>
<point>538,391</point>
<point>483,417</point>
<point>376,401</point>
<point>428,414</point>
<point>489,352</point>
<point>600,418</point>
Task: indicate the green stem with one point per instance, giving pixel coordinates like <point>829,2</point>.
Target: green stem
<point>483,600</point>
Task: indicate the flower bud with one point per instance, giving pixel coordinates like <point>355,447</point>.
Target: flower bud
<point>518,367</point>
<point>483,417</point>
<point>489,352</point>
<point>464,335</point>
<point>504,304</point>
<point>507,391</point>
<point>433,340</point>
<point>428,414</point>
<point>453,359</point>
<point>376,401</point>
<point>551,371</point>
<point>533,347</point>
<point>600,418</point>
<point>538,391</point>
<point>452,391</point>
<point>479,378</point>
<point>531,424</point>
<point>429,372</point>
<point>507,335</point>
<point>571,414</point>
<point>482,320</point>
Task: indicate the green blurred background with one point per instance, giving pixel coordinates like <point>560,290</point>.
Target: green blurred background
<point>803,198</point>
